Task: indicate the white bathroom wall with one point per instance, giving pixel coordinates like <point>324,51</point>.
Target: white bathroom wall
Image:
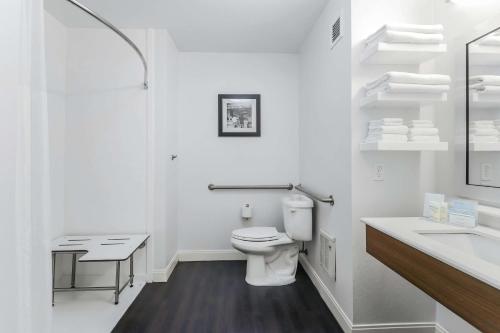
<point>380,295</point>
<point>56,48</point>
<point>207,218</point>
<point>105,134</point>
<point>462,24</point>
<point>105,141</point>
<point>10,152</point>
<point>325,155</point>
<point>165,87</point>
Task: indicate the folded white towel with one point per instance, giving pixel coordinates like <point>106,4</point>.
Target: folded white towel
<point>487,90</point>
<point>481,127</point>
<point>420,123</point>
<point>413,78</point>
<point>483,139</point>
<point>408,88</point>
<point>493,40</point>
<point>490,80</point>
<point>386,138</point>
<point>421,126</point>
<point>387,122</point>
<point>392,36</point>
<point>482,122</point>
<point>423,131</point>
<point>484,131</point>
<point>424,138</point>
<point>388,129</point>
<point>418,28</point>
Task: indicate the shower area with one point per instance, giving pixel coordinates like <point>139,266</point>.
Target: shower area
<point>111,121</point>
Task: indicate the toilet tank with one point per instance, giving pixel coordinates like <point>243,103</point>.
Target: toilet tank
<point>297,217</point>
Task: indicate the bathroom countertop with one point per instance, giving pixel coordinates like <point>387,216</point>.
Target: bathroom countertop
<point>406,230</point>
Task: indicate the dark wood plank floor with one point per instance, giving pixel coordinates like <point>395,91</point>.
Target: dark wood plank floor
<point>214,297</point>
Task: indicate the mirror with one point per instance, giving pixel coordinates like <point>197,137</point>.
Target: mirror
<point>483,110</point>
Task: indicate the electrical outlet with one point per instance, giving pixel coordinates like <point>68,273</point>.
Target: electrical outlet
<point>486,171</point>
<point>379,173</point>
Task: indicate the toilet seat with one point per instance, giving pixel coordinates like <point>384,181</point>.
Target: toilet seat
<point>256,234</point>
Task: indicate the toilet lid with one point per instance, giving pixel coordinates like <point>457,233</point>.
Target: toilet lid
<point>256,234</point>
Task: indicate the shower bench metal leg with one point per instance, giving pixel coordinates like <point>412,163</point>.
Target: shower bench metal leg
<point>116,288</point>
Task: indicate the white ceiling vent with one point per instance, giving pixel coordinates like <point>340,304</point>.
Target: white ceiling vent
<point>336,31</point>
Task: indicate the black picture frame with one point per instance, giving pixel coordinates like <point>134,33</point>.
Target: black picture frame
<point>224,131</point>
<point>468,111</point>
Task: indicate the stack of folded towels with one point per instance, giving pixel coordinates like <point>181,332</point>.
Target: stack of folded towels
<point>409,83</point>
<point>407,34</point>
<point>484,131</point>
<point>485,84</point>
<point>497,125</point>
<point>387,130</point>
<point>423,131</point>
<point>490,40</point>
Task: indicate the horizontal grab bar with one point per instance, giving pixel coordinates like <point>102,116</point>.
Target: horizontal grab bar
<point>328,199</point>
<point>288,187</point>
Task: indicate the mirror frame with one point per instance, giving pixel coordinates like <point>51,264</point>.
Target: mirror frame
<point>467,110</point>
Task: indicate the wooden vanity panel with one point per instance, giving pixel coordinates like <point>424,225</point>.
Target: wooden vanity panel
<point>475,301</point>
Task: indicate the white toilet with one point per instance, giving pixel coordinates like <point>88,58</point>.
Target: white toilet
<point>272,257</point>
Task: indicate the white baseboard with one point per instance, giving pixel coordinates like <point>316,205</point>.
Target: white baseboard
<point>162,275</point>
<point>396,327</point>
<point>210,255</point>
<point>440,329</point>
<point>346,323</point>
<point>332,304</point>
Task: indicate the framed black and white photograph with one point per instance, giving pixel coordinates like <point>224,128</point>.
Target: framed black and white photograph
<point>239,115</point>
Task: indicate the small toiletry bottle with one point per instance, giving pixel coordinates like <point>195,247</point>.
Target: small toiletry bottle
<point>444,212</point>
<point>435,207</point>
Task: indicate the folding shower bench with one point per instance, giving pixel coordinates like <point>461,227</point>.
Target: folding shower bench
<point>103,248</point>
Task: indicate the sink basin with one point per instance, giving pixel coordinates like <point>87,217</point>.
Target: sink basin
<point>483,247</point>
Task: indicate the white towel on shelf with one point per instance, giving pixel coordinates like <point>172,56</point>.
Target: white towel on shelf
<point>490,80</point>
<point>424,138</point>
<point>409,88</point>
<point>482,122</point>
<point>483,139</point>
<point>403,37</point>
<point>420,123</point>
<point>386,138</point>
<point>421,28</point>
<point>424,131</point>
<point>384,129</point>
<point>493,40</point>
<point>484,131</point>
<point>401,27</point>
<point>387,122</point>
<point>487,90</point>
<point>413,78</point>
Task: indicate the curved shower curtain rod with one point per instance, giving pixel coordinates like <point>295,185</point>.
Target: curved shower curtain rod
<point>118,32</point>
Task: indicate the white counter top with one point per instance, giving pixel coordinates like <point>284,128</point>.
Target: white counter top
<point>406,230</point>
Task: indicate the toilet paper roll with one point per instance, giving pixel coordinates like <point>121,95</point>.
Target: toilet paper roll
<point>246,211</point>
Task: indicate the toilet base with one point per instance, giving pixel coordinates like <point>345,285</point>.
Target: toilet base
<point>275,269</point>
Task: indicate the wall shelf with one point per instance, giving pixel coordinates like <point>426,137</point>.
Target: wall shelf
<point>480,55</point>
<point>404,146</point>
<point>388,100</point>
<point>484,146</point>
<point>485,101</point>
<point>401,54</point>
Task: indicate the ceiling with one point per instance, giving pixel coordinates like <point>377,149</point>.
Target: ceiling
<point>206,25</point>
